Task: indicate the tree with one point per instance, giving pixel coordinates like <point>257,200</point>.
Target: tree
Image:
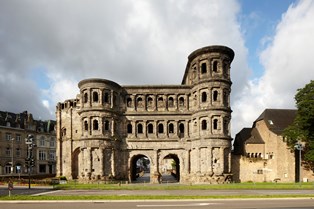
<point>302,129</point>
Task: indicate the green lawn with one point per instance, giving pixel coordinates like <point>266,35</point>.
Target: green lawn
<point>142,186</point>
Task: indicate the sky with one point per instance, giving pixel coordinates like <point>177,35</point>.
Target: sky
<point>47,47</point>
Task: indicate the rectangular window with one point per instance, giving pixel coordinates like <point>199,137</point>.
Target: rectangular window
<point>52,155</point>
<point>8,136</point>
<point>18,137</point>
<point>8,152</point>
<point>42,155</point>
<point>52,142</point>
<point>42,168</point>
<point>18,152</point>
<point>42,142</point>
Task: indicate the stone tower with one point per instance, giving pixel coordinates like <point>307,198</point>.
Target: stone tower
<point>104,131</point>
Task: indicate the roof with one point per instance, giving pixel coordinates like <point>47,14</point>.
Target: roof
<point>246,136</point>
<point>21,120</point>
<point>277,119</point>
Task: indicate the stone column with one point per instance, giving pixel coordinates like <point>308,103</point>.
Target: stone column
<point>101,162</point>
<point>113,162</point>
<point>88,161</point>
<point>222,159</point>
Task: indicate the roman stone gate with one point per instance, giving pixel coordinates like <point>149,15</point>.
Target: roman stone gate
<point>118,132</point>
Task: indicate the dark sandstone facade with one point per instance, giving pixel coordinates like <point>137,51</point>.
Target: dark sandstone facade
<point>107,127</point>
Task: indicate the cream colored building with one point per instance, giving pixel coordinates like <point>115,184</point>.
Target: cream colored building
<point>106,128</point>
<point>261,153</point>
<point>14,128</point>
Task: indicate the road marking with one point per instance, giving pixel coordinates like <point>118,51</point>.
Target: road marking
<point>179,205</point>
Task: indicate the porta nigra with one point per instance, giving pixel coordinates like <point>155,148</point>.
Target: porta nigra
<point>103,132</point>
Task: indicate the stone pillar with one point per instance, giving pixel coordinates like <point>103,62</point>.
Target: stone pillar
<point>111,99</point>
<point>101,162</point>
<point>210,160</point>
<point>222,159</point>
<point>88,161</point>
<point>113,162</point>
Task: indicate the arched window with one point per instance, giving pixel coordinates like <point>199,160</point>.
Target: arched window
<point>95,96</point>
<point>181,101</point>
<point>129,127</point>
<point>150,128</point>
<point>170,102</point>
<point>85,125</point>
<point>85,98</point>
<point>106,125</point>
<point>203,68</point>
<point>129,102</point>
<point>160,128</point>
<point>95,124</point>
<point>106,97</point>
<point>149,102</point>
<point>215,124</point>
<point>160,102</point>
<point>139,128</point>
<point>204,125</point>
<point>215,95</point>
<point>171,128</point>
<point>204,96</point>
<point>215,66</point>
<point>139,102</point>
<point>181,130</point>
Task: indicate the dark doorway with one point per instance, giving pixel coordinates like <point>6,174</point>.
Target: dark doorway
<point>140,169</point>
<point>170,169</point>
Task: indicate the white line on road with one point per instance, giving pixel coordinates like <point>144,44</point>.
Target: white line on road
<point>179,205</point>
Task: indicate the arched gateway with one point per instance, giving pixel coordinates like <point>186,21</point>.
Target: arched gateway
<point>182,130</point>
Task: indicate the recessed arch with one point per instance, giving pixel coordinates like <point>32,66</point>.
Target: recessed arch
<point>170,168</point>
<point>140,168</point>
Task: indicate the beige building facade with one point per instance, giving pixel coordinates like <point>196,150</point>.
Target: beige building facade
<point>261,153</point>
<point>14,129</point>
<point>104,131</point>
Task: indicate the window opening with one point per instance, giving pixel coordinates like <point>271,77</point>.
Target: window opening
<point>129,102</point>
<point>106,125</point>
<point>85,126</point>
<point>95,124</point>
<point>139,128</point>
<point>129,127</point>
<point>204,124</point>
<point>150,128</point>
<point>171,128</point>
<point>215,125</point>
<point>215,66</point>
<point>204,97</point>
<point>170,102</point>
<point>95,96</point>
<point>215,95</point>
<point>85,98</point>
<point>204,68</point>
<point>160,128</point>
<point>181,101</point>
<point>106,97</point>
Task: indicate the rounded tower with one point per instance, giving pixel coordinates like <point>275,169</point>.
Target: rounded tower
<point>208,73</point>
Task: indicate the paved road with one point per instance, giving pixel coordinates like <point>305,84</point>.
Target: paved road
<point>210,204</point>
<point>49,191</point>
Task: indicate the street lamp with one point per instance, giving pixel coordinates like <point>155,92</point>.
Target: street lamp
<point>12,156</point>
<point>298,146</point>
<point>29,159</point>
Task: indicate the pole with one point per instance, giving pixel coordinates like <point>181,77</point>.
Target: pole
<point>12,156</point>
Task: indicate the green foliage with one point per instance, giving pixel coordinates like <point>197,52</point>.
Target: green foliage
<point>302,128</point>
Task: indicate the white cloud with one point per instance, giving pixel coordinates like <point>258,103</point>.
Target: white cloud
<point>288,63</point>
<point>129,42</point>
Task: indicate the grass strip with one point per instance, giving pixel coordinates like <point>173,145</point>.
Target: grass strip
<point>238,186</point>
<point>145,197</point>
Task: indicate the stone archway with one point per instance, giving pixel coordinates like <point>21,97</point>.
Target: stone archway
<point>140,168</point>
<point>170,168</point>
<point>75,163</point>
